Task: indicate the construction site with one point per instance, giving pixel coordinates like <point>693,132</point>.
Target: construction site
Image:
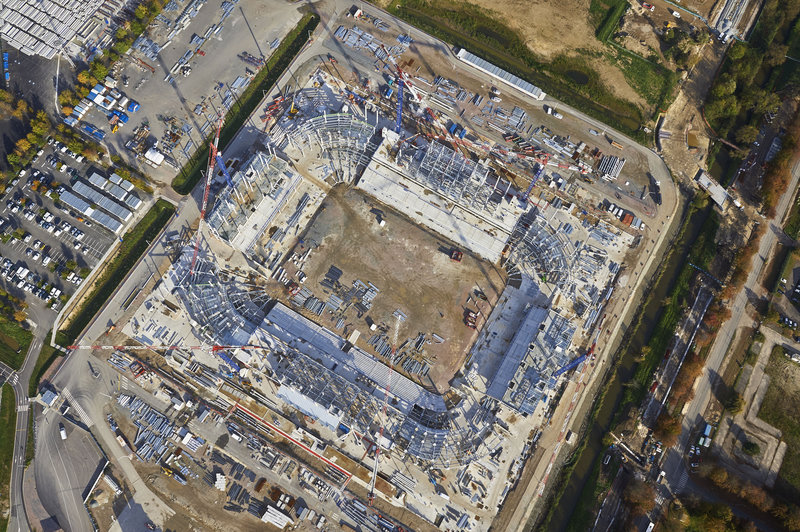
<point>413,292</point>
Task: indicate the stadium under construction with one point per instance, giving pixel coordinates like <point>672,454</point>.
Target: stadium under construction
<point>561,268</point>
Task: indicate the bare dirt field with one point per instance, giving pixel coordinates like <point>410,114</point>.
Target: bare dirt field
<point>413,272</point>
<point>196,505</point>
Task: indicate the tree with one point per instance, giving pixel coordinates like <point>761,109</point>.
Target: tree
<point>667,429</point>
<point>724,86</point>
<point>67,97</point>
<point>776,55</point>
<point>99,70</point>
<point>746,134</point>
<point>737,51</point>
<point>141,12</point>
<point>792,519</point>
<point>66,110</point>
<point>21,110</point>
<point>84,78</point>
<point>71,264</point>
<point>768,102</point>
<point>639,495</point>
<point>718,475</point>
<point>751,448</point>
<point>22,147</point>
<point>734,403</point>
<point>20,316</point>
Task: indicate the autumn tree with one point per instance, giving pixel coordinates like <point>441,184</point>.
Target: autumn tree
<point>667,429</point>
<point>639,495</point>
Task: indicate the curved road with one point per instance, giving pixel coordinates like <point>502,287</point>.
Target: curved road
<point>17,521</point>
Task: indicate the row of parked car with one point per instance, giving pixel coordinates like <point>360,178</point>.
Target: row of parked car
<point>27,280</point>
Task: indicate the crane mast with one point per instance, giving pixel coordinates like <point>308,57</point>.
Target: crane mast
<point>212,157</point>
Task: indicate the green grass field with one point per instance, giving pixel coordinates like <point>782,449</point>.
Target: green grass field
<point>134,244</point>
<point>8,423</point>
<point>46,356</point>
<point>14,342</point>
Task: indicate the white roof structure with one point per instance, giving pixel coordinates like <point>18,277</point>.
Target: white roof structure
<point>717,192</point>
<point>154,156</point>
<point>498,73</point>
<point>43,27</point>
<point>446,192</point>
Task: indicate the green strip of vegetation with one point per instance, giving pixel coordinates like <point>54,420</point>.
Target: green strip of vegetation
<point>792,226</point>
<point>14,342</point>
<point>702,253</point>
<point>134,244</point>
<point>30,442</point>
<point>469,27</point>
<point>611,20</point>
<point>247,103</point>
<point>8,424</point>
<point>46,357</point>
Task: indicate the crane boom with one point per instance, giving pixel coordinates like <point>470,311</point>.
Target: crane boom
<point>212,157</point>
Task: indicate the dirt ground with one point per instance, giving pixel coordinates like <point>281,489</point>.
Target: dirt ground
<point>196,505</point>
<point>551,29</point>
<point>413,272</point>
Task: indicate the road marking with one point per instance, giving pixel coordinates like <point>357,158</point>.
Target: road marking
<point>81,412</point>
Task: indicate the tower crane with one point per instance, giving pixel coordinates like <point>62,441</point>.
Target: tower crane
<point>212,157</point>
<point>385,405</point>
<point>399,122</point>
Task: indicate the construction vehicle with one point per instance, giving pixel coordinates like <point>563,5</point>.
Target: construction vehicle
<point>456,255</point>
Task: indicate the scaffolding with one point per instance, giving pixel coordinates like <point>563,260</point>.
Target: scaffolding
<point>346,142</point>
<point>470,184</point>
<point>218,307</point>
<point>262,177</point>
<point>540,252</point>
<point>229,308</point>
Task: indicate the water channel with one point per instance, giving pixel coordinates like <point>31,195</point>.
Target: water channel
<point>651,314</point>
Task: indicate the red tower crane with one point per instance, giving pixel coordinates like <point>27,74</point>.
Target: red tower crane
<point>212,157</point>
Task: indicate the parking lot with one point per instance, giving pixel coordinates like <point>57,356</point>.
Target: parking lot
<point>48,248</point>
<point>180,106</point>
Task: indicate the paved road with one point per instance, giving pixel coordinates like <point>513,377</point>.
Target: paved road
<point>673,464</point>
<point>17,521</point>
<point>53,472</point>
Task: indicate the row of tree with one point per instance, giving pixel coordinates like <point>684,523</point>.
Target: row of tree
<point>759,498</point>
<point>745,84</point>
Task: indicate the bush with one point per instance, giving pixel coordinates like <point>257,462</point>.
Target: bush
<point>751,448</point>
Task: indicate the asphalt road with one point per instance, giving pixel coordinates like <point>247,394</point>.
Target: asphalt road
<point>53,467</point>
<point>17,521</point>
<point>674,464</point>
